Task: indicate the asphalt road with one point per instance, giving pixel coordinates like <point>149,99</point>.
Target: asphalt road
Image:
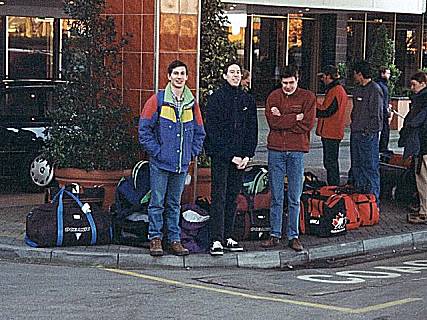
<point>394,288</point>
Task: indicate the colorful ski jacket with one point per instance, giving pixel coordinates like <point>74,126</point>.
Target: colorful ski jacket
<point>170,135</point>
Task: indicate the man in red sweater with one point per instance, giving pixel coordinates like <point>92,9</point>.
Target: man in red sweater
<point>331,123</point>
<point>290,113</point>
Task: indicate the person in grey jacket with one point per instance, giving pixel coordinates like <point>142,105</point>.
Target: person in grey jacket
<point>366,124</point>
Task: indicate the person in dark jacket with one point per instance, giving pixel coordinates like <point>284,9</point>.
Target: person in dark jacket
<point>413,137</point>
<point>384,76</point>
<point>366,124</point>
<point>171,132</point>
<point>231,139</point>
<point>331,123</point>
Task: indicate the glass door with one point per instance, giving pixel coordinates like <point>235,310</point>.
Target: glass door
<point>268,55</point>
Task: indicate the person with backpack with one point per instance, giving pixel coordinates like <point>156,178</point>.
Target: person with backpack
<point>232,136</point>
<point>171,132</point>
<point>331,123</point>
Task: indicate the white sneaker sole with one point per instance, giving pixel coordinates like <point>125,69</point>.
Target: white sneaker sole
<point>233,249</point>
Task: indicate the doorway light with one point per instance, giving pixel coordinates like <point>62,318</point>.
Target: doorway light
<point>237,21</point>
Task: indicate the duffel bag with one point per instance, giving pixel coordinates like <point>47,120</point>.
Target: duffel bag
<point>367,207</point>
<point>353,220</point>
<point>323,216</point>
<point>61,223</point>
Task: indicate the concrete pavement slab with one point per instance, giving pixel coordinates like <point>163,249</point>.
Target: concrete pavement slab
<point>263,259</point>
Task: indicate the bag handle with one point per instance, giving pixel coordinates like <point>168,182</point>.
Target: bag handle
<point>60,216</point>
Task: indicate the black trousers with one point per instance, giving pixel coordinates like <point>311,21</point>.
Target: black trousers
<point>226,185</point>
<point>330,160</point>
<point>385,136</point>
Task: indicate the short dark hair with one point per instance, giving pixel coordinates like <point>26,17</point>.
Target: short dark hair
<point>176,64</point>
<point>289,71</point>
<point>364,67</point>
<point>382,70</point>
<point>230,63</point>
<point>420,77</point>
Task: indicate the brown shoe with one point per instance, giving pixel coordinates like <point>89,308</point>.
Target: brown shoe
<point>271,242</point>
<point>417,218</point>
<point>177,249</point>
<point>156,247</point>
<point>296,245</point>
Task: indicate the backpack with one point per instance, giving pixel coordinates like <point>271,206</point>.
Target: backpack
<point>130,210</point>
<point>194,228</point>
<point>252,219</point>
<point>255,180</point>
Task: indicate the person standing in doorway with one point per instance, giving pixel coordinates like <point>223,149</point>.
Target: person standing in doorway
<point>331,122</point>
<point>290,113</point>
<point>384,74</point>
<point>171,132</point>
<point>366,123</point>
<point>231,139</point>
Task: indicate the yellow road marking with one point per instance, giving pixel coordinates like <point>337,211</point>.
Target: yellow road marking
<point>265,298</point>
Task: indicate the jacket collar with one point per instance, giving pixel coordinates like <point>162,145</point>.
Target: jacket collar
<point>188,96</point>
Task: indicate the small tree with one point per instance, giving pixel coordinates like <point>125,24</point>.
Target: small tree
<point>216,49</point>
<point>91,129</point>
<point>383,55</point>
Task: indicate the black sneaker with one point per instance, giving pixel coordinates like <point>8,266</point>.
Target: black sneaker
<point>216,249</point>
<point>232,246</point>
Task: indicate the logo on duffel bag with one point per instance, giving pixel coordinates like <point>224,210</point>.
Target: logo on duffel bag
<point>338,223</point>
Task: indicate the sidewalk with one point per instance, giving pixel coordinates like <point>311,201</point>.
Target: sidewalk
<point>392,234</point>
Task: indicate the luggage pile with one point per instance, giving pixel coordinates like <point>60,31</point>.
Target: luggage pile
<point>331,211</point>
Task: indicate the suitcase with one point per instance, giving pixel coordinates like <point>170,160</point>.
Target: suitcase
<point>67,223</point>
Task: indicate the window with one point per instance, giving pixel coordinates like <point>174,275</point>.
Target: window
<point>30,48</point>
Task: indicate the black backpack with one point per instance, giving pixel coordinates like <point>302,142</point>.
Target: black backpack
<point>130,210</point>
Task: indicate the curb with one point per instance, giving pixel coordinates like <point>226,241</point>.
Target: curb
<point>257,259</point>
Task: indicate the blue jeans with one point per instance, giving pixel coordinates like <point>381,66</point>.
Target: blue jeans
<point>364,150</point>
<point>281,164</point>
<point>167,186</point>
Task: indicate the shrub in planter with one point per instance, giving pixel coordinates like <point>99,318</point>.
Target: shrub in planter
<point>91,128</point>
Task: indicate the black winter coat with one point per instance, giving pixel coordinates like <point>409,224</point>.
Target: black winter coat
<point>413,134</point>
<point>231,123</point>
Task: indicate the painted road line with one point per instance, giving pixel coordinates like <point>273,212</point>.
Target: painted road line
<point>264,298</point>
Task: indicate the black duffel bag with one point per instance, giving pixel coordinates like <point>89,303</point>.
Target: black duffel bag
<point>67,223</point>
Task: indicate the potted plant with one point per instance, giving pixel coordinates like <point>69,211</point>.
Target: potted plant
<point>91,136</point>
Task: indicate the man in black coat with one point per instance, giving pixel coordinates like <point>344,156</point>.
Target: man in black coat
<point>231,139</point>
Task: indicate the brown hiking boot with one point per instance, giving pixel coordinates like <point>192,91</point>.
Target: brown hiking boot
<point>156,247</point>
<point>177,249</point>
<point>271,242</point>
<point>295,244</point>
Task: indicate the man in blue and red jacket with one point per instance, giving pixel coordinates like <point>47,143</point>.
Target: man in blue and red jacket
<point>171,132</point>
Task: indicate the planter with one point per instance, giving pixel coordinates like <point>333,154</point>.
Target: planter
<point>203,185</point>
<point>104,178</point>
